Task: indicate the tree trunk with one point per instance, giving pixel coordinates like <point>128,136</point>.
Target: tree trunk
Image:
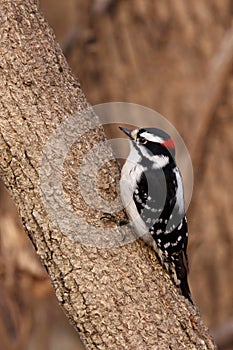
<point>116,297</point>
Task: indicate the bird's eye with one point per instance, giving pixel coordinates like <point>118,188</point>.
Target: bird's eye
<point>142,140</point>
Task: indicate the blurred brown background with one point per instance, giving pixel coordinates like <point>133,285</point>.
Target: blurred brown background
<point>174,56</point>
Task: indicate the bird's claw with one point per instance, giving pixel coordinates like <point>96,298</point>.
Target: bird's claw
<point>113,218</point>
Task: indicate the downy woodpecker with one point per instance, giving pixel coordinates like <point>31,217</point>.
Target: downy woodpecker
<point>152,192</point>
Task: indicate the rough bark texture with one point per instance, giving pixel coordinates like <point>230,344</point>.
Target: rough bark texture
<point>118,297</point>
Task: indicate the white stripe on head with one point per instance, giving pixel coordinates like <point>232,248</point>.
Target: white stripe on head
<point>150,137</point>
<point>158,161</point>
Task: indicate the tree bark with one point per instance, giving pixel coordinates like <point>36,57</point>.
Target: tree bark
<point>117,297</point>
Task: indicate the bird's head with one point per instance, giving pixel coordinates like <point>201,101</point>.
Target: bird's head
<point>154,144</point>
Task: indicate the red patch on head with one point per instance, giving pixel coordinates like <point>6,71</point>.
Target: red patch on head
<point>169,144</point>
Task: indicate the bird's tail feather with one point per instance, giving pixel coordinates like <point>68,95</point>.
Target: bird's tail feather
<point>181,267</point>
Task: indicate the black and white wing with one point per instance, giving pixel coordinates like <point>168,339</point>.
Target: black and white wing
<point>150,196</point>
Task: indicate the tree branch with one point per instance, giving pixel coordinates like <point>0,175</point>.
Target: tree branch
<point>116,297</point>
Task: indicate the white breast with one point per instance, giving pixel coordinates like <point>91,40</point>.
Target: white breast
<point>130,174</point>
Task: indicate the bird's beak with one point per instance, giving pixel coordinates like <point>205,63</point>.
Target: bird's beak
<point>130,133</point>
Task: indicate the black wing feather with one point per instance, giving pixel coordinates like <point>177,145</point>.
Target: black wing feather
<point>150,195</point>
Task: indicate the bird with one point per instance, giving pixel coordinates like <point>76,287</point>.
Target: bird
<point>151,190</point>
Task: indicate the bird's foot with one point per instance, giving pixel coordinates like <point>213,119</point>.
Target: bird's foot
<point>113,218</point>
